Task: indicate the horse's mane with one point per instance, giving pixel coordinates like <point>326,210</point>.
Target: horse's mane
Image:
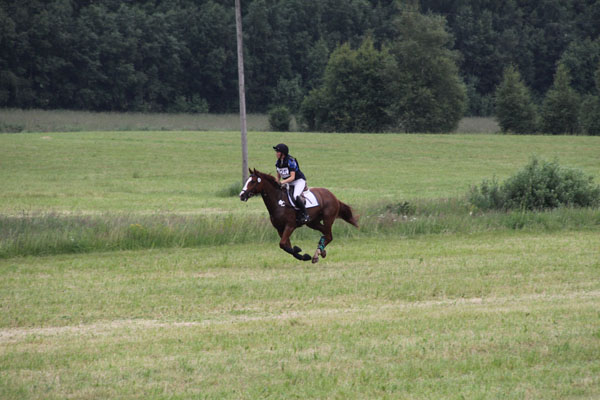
<point>269,178</point>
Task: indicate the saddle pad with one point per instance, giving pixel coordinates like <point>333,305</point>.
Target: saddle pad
<point>311,199</point>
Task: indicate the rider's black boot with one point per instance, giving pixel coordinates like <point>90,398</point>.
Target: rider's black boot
<point>304,218</point>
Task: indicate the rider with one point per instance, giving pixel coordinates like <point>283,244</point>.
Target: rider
<point>289,171</point>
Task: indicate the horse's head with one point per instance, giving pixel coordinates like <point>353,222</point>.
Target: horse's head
<point>254,185</point>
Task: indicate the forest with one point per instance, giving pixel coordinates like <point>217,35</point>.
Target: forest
<point>180,55</point>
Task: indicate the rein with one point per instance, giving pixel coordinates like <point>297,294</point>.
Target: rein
<point>282,197</point>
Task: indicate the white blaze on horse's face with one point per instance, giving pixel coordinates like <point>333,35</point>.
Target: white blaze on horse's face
<point>244,194</point>
<point>244,189</point>
<point>246,185</point>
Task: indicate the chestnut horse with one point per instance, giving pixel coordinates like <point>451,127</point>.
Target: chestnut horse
<point>283,214</point>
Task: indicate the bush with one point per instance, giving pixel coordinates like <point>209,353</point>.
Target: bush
<point>487,197</point>
<point>11,128</point>
<point>232,190</point>
<point>540,185</point>
<point>195,104</point>
<point>280,118</point>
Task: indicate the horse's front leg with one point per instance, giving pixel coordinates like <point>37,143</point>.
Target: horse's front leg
<point>286,245</point>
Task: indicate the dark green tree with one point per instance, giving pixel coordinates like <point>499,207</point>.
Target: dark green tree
<point>266,59</point>
<point>288,93</point>
<point>590,110</point>
<point>429,93</point>
<point>316,62</point>
<point>582,59</point>
<point>180,55</point>
<point>355,94</point>
<point>515,110</point>
<point>560,110</point>
<point>530,35</point>
<point>208,55</point>
<point>314,114</point>
<point>300,26</point>
<point>8,42</point>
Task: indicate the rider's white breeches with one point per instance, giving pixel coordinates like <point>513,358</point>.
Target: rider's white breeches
<point>298,185</point>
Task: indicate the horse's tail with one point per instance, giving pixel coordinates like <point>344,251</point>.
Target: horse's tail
<point>347,215</point>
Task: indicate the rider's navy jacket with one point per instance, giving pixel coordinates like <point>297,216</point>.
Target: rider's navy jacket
<point>289,164</point>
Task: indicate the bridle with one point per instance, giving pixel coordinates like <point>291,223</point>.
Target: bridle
<point>245,191</point>
<point>251,193</point>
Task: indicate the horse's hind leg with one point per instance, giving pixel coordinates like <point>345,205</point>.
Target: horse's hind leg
<point>324,241</point>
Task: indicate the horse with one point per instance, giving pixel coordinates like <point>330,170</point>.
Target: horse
<point>283,214</point>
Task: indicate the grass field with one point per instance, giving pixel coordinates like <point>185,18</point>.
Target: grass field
<point>508,316</point>
<point>126,273</point>
<point>13,120</point>
<point>148,172</point>
<point>82,121</point>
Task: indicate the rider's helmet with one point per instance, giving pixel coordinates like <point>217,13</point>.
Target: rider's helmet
<point>282,148</point>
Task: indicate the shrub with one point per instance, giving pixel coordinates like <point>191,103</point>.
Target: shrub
<point>195,104</point>
<point>402,208</point>
<point>487,197</point>
<point>540,185</point>
<point>232,190</point>
<point>11,128</point>
<point>280,118</point>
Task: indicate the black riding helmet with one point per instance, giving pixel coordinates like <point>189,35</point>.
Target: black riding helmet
<point>282,148</point>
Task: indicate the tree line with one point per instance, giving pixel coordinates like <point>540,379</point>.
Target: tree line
<point>563,110</point>
<point>180,55</point>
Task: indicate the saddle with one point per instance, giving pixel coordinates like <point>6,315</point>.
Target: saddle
<point>310,199</point>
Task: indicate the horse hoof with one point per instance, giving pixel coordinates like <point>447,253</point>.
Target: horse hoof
<point>315,258</point>
<point>323,253</point>
<point>306,257</point>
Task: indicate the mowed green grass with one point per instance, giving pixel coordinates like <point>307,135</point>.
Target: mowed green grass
<point>181,172</point>
<point>495,312</point>
<point>508,316</point>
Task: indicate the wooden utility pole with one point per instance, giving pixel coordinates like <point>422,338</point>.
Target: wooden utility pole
<point>240,54</point>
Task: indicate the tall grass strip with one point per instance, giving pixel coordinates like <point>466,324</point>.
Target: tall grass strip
<point>47,234</point>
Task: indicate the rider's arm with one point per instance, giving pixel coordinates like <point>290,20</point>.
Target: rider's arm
<point>290,179</point>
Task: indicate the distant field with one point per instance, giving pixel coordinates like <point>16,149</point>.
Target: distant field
<point>182,171</point>
<point>478,125</point>
<point>80,121</point>
<point>77,121</point>
<point>126,271</point>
